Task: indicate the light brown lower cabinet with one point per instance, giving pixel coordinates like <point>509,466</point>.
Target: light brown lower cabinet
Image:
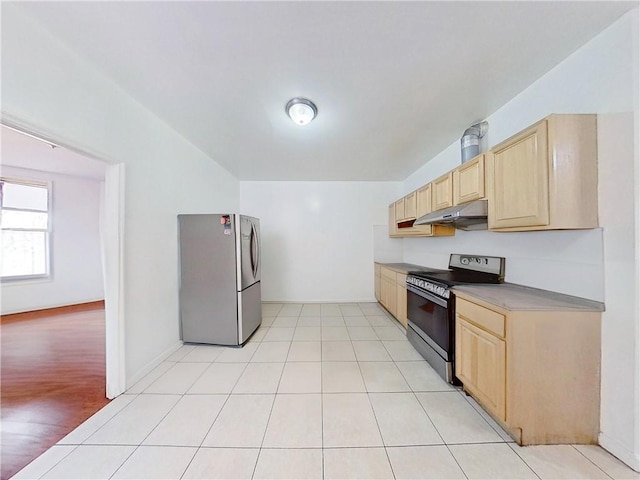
<point>535,372</point>
<point>388,295</point>
<point>482,365</point>
<point>376,284</point>
<point>393,293</point>
<point>401,299</point>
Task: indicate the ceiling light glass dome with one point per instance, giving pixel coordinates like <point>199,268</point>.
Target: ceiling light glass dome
<point>301,110</point>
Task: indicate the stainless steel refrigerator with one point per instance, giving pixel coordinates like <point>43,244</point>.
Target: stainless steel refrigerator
<point>220,300</point>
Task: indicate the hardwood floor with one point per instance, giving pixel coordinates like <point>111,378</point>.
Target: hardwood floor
<point>53,378</point>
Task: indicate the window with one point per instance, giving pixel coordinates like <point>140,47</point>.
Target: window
<point>24,219</point>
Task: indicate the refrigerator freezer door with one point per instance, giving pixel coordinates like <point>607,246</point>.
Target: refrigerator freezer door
<point>208,293</point>
<point>250,311</point>
<point>249,251</point>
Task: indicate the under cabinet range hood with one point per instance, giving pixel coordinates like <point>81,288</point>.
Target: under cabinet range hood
<point>469,216</point>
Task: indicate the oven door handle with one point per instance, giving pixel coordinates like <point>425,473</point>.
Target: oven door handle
<point>427,295</point>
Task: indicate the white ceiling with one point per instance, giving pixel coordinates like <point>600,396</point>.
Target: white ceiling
<point>394,82</point>
<point>19,150</point>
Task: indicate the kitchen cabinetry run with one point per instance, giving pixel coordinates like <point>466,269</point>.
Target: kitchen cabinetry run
<point>537,372</point>
<point>393,292</point>
<point>545,177</point>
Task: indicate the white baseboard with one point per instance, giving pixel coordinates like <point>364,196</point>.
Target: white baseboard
<point>615,448</point>
<point>153,364</point>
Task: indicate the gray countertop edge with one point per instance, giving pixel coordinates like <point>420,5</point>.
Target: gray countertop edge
<point>511,296</point>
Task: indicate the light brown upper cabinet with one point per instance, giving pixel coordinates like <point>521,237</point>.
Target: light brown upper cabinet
<point>442,191</point>
<point>405,211</point>
<point>400,210</point>
<point>545,177</point>
<point>393,226</point>
<point>423,201</point>
<point>410,206</point>
<point>468,181</point>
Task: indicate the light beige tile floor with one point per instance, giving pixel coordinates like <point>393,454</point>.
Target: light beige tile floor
<point>319,391</point>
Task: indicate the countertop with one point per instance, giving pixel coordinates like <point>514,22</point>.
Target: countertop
<point>518,297</point>
<point>511,296</point>
<point>404,267</point>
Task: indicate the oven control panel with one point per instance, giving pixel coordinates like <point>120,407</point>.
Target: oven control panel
<point>426,285</point>
<point>493,265</point>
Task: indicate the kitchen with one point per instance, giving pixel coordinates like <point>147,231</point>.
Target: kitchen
<point>334,219</point>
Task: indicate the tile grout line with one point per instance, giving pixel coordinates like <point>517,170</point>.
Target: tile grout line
<point>456,460</point>
<point>597,466</point>
<point>137,395</point>
<point>525,462</point>
<point>52,466</point>
<point>199,447</point>
<point>375,417</point>
<point>125,460</point>
<point>275,397</point>
<point>466,399</point>
<point>171,409</point>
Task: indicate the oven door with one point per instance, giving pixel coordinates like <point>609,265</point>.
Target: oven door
<point>431,318</point>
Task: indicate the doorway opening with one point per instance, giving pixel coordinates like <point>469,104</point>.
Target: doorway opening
<point>65,326</point>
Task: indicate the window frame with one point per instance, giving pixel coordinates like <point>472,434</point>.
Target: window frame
<point>47,237</point>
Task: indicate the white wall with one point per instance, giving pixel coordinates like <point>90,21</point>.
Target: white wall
<point>76,270</point>
<point>601,77</point>
<point>318,237</point>
<point>47,88</point>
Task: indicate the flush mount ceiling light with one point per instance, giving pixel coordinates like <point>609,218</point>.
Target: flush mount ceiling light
<point>301,110</point>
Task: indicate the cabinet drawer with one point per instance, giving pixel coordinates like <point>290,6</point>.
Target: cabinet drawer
<point>388,273</point>
<point>483,317</point>
<point>401,279</point>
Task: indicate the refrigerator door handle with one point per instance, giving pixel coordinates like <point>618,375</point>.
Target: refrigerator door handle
<point>255,251</point>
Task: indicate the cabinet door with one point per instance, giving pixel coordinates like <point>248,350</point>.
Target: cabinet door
<point>442,192</point>
<point>392,300</point>
<point>383,291</point>
<point>376,281</point>
<point>480,365</point>
<point>393,226</point>
<point>423,201</point>
<point>518,175</point>
<point>468,181</point>
<point>410,206</point>
<point>401,299</point>
<point>400,216</point>
<point>388,294</point>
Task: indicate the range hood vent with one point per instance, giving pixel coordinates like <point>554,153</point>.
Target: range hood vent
<point>469,216</point>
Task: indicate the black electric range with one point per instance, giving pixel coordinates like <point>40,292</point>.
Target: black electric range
<point>431,306</point>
